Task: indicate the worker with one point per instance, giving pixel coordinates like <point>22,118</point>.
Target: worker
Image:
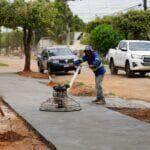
<point>94,61</point>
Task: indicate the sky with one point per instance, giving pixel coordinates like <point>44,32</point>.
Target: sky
<point>89,9</point>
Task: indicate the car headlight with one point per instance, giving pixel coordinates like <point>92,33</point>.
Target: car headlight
<point>135,56</point>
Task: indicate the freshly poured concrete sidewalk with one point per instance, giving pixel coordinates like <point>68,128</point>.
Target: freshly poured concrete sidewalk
<point>93,128</point>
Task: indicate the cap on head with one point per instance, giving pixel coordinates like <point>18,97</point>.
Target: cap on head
<point>88,48</point>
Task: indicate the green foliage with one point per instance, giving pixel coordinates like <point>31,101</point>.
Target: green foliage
<point>104,37</point>
<point>27,15</point>
<point>12,39</point>
<point>3,65</point>
<point>64,23</point>
<point>4,6</point>
<point>31,15</point>
<point>98,21</point>
<point>133,24</point>
<point>39,17</point>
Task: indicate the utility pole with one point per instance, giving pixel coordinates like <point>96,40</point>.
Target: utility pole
<point>145,4</point>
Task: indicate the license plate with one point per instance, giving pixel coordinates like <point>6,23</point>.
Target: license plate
<point>69,65</point>
<point>66,66</point>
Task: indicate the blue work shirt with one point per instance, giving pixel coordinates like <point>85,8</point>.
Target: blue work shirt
<point>95,60</point>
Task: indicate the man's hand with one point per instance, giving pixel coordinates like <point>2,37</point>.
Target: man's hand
<point>91,66</point>
<point>76,63</point>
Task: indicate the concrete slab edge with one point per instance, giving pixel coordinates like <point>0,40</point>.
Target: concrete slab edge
<point>47,142</point>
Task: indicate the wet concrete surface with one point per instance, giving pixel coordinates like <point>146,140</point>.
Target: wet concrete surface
<point>93,128</point>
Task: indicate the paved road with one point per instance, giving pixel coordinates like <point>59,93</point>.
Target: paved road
<point>93,128</point>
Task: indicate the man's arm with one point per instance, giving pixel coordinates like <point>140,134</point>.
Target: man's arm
<point>80,60</point>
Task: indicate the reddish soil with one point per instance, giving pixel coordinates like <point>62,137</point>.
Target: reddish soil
<point>118,86</point>
<point>10,136</point>
<point>14,133</point>
<point>52,84</point>
<point>138,113</point>
<point>15,64</point>
<point>79,89</point>
<point>33,74</point>
<point>128,88</point>
<point>113,86</point>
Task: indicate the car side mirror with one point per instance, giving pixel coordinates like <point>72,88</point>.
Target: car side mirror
<point>44,58</point>
<point>124,49</point>
<point>75,53</point>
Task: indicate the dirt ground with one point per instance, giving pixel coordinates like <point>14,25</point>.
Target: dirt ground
<point>15,64</point>
<point>14,133</point>
<point>114,86</point>
<point>138,113</point>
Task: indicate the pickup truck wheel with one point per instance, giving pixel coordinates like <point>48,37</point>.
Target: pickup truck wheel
<point>40,70</point>
<point>129,73</point>
<point>66,71</point>
<point>79,71</point>
<point>49,69</point>
<point>113,68</point>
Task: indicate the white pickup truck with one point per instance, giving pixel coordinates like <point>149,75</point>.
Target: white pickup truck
<point>133,56</point>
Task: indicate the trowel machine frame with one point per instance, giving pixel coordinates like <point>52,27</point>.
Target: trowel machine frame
<point>60,92</point>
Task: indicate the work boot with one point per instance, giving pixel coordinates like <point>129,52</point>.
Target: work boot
<point>94,101</point>
<point>99,102</point>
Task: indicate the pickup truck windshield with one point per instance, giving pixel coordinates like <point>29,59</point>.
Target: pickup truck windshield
<point>139,46</point>
<point>60,52</point>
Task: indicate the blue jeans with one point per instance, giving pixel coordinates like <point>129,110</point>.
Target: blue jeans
<point>98,82</point>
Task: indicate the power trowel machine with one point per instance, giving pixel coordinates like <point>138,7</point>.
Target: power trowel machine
<point>61,101</point>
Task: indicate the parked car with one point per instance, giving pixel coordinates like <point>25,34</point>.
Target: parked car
<point>133,56</point>
<point>56,59</point>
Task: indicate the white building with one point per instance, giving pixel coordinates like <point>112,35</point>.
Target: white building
<point>45,42</point>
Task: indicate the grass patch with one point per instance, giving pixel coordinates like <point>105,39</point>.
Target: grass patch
<point>80,84</point>
<point>3,65</point>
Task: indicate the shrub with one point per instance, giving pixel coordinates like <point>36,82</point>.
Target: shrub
<point>104,37</point>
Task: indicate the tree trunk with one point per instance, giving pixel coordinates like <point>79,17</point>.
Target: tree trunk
<point>68,35</point>
<point>2,113</point>
<point>27,37</point>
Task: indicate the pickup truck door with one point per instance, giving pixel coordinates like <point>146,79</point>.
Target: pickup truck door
<point>116,57</point>
<point>122,52</point>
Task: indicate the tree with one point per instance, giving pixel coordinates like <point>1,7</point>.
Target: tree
<point>29,16</point>
<point>64,24</point>
<point>133,24</point>
<point>98,21</point>
<point>38,17</point>
<point>13,39</point>
<point>0,39</point>
<point>104,37</point>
